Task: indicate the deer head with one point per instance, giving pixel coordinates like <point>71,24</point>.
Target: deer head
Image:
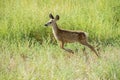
<point>52,20</point>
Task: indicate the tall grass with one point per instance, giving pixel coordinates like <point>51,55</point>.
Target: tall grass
<point>49,62</point>
<point>21,19</point>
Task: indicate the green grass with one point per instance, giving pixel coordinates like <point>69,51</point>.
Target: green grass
<point>20,19</point>
<point>28,50</point>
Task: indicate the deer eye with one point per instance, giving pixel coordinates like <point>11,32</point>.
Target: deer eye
<point>50,22</point>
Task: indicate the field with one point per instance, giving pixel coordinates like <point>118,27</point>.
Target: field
<point>28,50</point>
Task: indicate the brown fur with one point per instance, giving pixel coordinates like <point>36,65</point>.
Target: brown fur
<point>67,36</point>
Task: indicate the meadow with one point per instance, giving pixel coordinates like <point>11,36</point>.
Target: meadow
<point>28,50</point>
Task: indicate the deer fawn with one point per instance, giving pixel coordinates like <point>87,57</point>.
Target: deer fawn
<point>66,36</point>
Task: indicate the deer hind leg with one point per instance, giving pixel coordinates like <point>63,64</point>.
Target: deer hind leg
<point>85,53</point>
<point>68,50</point>
<point>84,42</point>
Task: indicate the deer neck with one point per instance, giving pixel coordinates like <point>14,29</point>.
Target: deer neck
<point>55,28</point>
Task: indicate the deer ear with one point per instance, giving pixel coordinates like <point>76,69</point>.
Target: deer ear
<point>57,17</point>
<point>51,16</point>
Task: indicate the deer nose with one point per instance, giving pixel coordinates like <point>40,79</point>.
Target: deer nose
<point>46,25</point>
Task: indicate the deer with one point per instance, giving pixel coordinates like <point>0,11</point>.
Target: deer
<point>68,36</point>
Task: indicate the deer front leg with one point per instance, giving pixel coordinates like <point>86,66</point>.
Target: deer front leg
<point>68,50</point>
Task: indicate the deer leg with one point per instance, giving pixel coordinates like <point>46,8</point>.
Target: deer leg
<point>68,50</point>
<point>84,52</point>
<point>84,42</point>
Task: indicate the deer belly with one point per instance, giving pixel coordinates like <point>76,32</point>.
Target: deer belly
<point>70,40</point>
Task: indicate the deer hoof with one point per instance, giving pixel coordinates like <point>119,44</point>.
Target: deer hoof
<point>70,51</point>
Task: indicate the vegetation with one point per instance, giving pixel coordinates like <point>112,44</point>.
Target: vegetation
<point>28,50</point>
